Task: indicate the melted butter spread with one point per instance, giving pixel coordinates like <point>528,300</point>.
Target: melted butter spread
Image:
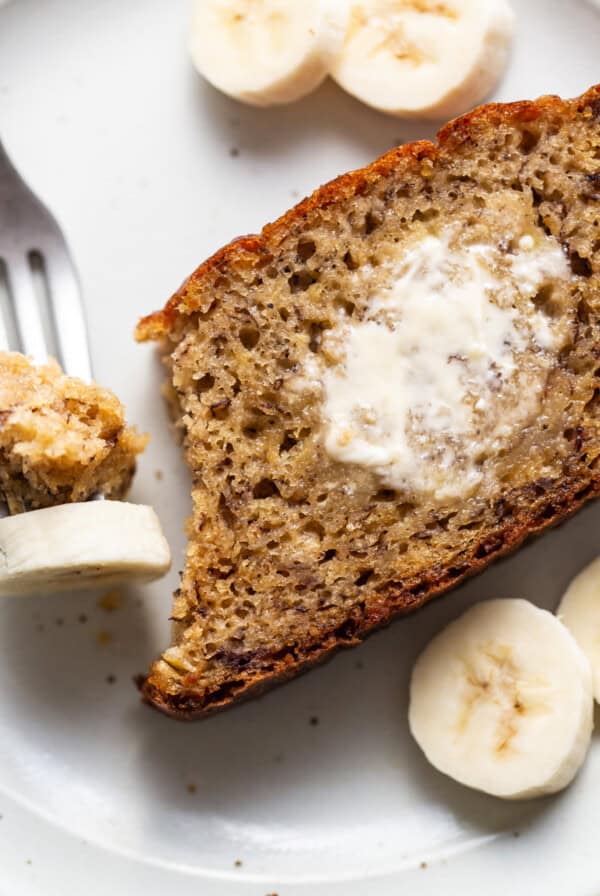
<point>449,362</point>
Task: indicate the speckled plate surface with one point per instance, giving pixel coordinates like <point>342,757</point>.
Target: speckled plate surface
<point>317,788</point>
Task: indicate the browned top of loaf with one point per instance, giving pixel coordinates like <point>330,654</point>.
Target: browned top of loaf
<point>254,250</point>
<point>285,565</point>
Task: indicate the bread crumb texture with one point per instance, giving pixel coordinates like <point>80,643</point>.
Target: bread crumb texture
<point>61,440</point>
<point>294,552</point>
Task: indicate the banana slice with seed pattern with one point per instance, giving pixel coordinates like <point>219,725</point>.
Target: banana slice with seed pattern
<point>424,58</point>
<point>502,701</point>
<point>266,52</point>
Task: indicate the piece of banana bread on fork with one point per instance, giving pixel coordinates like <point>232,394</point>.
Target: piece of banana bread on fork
<point>61,440</point>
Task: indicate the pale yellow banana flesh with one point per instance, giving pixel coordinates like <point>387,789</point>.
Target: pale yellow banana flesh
<point>266,52</point>
<point>501,700</point>
<point>79,546</point>
<point>424,59</point>
<point>579,610</point>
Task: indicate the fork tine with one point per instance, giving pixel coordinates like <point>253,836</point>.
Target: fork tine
<point>69,320</point>
<point>24,300</point>
<point>4,343</point>
<point>28,231</point>
<point>5,339</point>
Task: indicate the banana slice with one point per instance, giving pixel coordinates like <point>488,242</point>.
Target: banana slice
<point>267,52</point>
<point>579,610</point>
<point>502,701</point>
<point>424,58</point>
<point>77,546</point>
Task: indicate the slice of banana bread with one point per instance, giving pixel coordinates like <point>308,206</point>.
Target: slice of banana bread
<point>388,388</point>
<point>61,440</point>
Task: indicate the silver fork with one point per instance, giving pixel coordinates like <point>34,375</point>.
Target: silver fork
<point>40,298</point>
<point>41,315</point>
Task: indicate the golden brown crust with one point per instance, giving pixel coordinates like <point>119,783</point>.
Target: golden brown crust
<point>533,514</point>
<point>258,248</point>
<point>189,705</point>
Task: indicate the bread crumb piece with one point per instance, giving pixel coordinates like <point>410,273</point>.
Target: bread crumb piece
<point>234,152</point>
<point>423,866</point>
<point>111,601</point>
<point>314,721</point>
<point>158,475</point>
<point>238,863</point>
<point>191,788</point>
<point>82,618</point>
<point>103,637</point>
<point>110,679</point>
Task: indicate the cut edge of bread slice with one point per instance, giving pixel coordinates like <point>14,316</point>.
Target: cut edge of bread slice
<point>173,684</point>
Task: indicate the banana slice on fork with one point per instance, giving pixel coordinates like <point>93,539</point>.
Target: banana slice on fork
<point>78,546</point>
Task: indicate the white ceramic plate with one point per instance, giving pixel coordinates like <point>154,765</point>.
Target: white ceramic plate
<point>149,171</point>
